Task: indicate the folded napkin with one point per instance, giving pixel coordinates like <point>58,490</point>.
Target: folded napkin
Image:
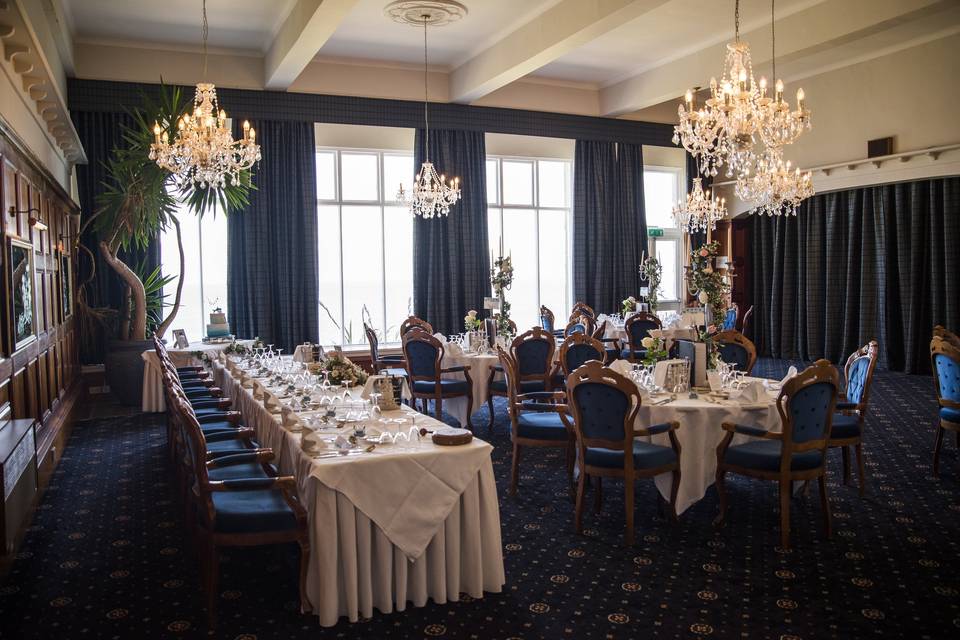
<point>290,419</point>
<point>442,338</point>
<point>258,390</point>
<point>271,403</point>
<point>791,372</point>
<point>454,349</point>
<point>623,367</point>
<point>715,381</point>
<point>754,393</point>
<point>311,442</point>
<point>774,385</point>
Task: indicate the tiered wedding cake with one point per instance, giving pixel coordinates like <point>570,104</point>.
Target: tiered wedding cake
<point>218,327</point>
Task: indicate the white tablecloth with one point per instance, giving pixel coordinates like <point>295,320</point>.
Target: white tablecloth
<point>480,365</point>
<point>153,401</point>
<point>392,526</point>
<point>699,434</point>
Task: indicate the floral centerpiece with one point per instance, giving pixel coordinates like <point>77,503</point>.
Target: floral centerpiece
<point>341,370</point>
<point>656,349</point>
<point>651,272</point>
<point>471,322</point>
<point>628,305</point>
<point>710,287</point>
<point>501,277</point>
<point>234,348</point>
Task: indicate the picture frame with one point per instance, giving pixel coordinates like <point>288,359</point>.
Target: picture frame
<point>180,339</point>
<point>23,310</point>
<point>66,286</point>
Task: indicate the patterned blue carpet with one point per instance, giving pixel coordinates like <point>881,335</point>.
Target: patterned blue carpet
<point>108,557</point>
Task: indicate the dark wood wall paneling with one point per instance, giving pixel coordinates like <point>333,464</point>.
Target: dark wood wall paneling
<point>39,378</point>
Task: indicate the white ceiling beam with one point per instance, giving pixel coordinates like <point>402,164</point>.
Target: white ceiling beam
<point>833,26</point>
<point>557,31</point>
<point>307,28</point>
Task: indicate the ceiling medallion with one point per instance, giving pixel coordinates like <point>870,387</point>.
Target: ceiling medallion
<point>437,13</point>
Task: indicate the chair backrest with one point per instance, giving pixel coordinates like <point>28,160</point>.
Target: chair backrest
<point>941,331</point>
<point>638,327</point>
<point>858,373</point>
<point>547,320</point>
<point>600,330</point>
<point>578,349</point>
<point>423,354</point>
<point>581,324</point>
<point>414,321</point>
<point>736,349</point>
<point>806,405</point>
<point>373,341</point>
<point>604,405</point>
<point>945,362</point>
<point>582,309</point>
<point>533,351</point>
<point>730,319</point>
<point>512,378</point>
<point>745,324</point>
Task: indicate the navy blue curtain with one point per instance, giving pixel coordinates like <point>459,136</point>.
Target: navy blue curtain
<point>877,262</point>
<point>272,279</point>
<point>451,262</point>
<point>609,223</point>
<point>100,133</point>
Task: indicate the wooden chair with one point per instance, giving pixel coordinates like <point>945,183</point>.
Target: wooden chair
<point>942,332</point>
<point>533,351</point>
<point>537,419</point>
<point>806,405</point>
<point>848,422</point>
<point>241,512</point>
<point>945,362</point>
<point>745,324</point>
<point>580,324</point>
<point>387,365</point>
<point>547,321</point>
<point>582,309</point>
<point>412,322</point>
<point>578,349</point>
<point>424,355</point>
<point>638,327</point>
<point>736,349</point>
<point>604,406</point>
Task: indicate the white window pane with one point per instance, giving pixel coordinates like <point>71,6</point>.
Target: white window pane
<point>326,175</point>
<point>553,261</point>
<point>397,170</point>
<point>328,249</point>
<point>494,233</point>
<point>493,178</point>
<point>360,176</point>
<point>517,182</point>
<point>362,271</point>
<point>660,194</point>
<point>554,183</point>
<point>398,272</point>
<point>213,230</point>
<point>667,255</point>
<point>190,315</point>
<point>520,239</point>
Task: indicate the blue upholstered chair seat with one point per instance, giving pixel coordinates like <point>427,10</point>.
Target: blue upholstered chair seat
<point>227,447</point>
<point>764,455</point>
<point>844,426</point>
<point>251,512</point>
<point>541,426</point>
<point>645,456</point>
<point>526,386</point>
<point>182,370</point>
<point>950,415</point>
<point>446,386</point>
<point>236,471</point>
<point>200,408</point>
<point>639,354</point>
<point>613,354</point>
<point>217,426</point>
<point>197,393</point>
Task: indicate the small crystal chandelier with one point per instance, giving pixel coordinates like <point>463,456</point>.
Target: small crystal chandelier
<point>700,210</point>
<point>775,188</point>
<point>204,153</point>
<point>430,196</point>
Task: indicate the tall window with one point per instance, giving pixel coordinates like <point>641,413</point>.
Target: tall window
<point>528,209</point>
<point>365,244</point>
<point>661,190</point>
<point>205,283</point>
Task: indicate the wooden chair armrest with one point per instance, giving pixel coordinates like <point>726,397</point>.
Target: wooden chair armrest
<point>259,455</point>
<point>657,429</point>
<point>233,417</point>
<point>254,484</point>
<point>463,368</point>
<point>949,404</point>
<point>755,432</point>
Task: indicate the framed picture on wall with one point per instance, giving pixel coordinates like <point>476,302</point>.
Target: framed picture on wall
<point>22,290</point>
<point>66,286</point>
<point>180,339</point>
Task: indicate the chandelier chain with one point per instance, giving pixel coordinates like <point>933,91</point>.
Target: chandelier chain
<point>736,21</point>
<point>773,37</point>
<point>205,31</point>
<point>426,95</point>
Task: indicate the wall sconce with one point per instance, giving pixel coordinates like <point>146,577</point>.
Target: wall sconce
<point>36,223</point>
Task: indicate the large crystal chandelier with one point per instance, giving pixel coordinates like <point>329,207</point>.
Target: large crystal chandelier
<point>203,152</point>
<point>775,188</point>
<point>701,210</point>
<point>431,195</point>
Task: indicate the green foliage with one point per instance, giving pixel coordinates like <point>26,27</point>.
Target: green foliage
<point>153,284</point>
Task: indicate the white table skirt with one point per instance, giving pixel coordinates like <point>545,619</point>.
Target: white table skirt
<point>480,366</point>
<point>699,434</point>
<point>354,568</point>
<point>153,400</point>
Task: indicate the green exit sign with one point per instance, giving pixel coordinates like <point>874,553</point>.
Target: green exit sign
<point>654,232</point>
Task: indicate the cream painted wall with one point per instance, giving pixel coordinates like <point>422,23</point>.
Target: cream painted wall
<point>505,144</point>
<point>354,136</point>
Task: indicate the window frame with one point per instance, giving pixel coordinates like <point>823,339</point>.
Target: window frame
<point>670,234</point>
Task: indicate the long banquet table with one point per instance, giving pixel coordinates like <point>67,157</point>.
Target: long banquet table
<point>403,523</point>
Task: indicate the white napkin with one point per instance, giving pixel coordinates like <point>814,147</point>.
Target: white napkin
<point>453,349</point>
<point>754,396</point>
<point>290,418</point>
<point>442,338</point>
<point>774,385</point>
<point>623,367</point>
<point>258,390</point>
<point>791,372</point>
<point>311,442</point>
<point>716,382</point>
<point>271,403</point>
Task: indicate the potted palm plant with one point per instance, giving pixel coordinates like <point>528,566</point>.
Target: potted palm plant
<point>140,199</point>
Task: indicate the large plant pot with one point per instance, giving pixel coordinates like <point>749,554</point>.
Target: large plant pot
<point>124,369</point>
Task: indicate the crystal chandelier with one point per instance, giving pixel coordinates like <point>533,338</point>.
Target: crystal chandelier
<point>700,210</point>
<point>779,125</point>
<point>204,153</point>
<point>775,188</point>
<point>431,195</point>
